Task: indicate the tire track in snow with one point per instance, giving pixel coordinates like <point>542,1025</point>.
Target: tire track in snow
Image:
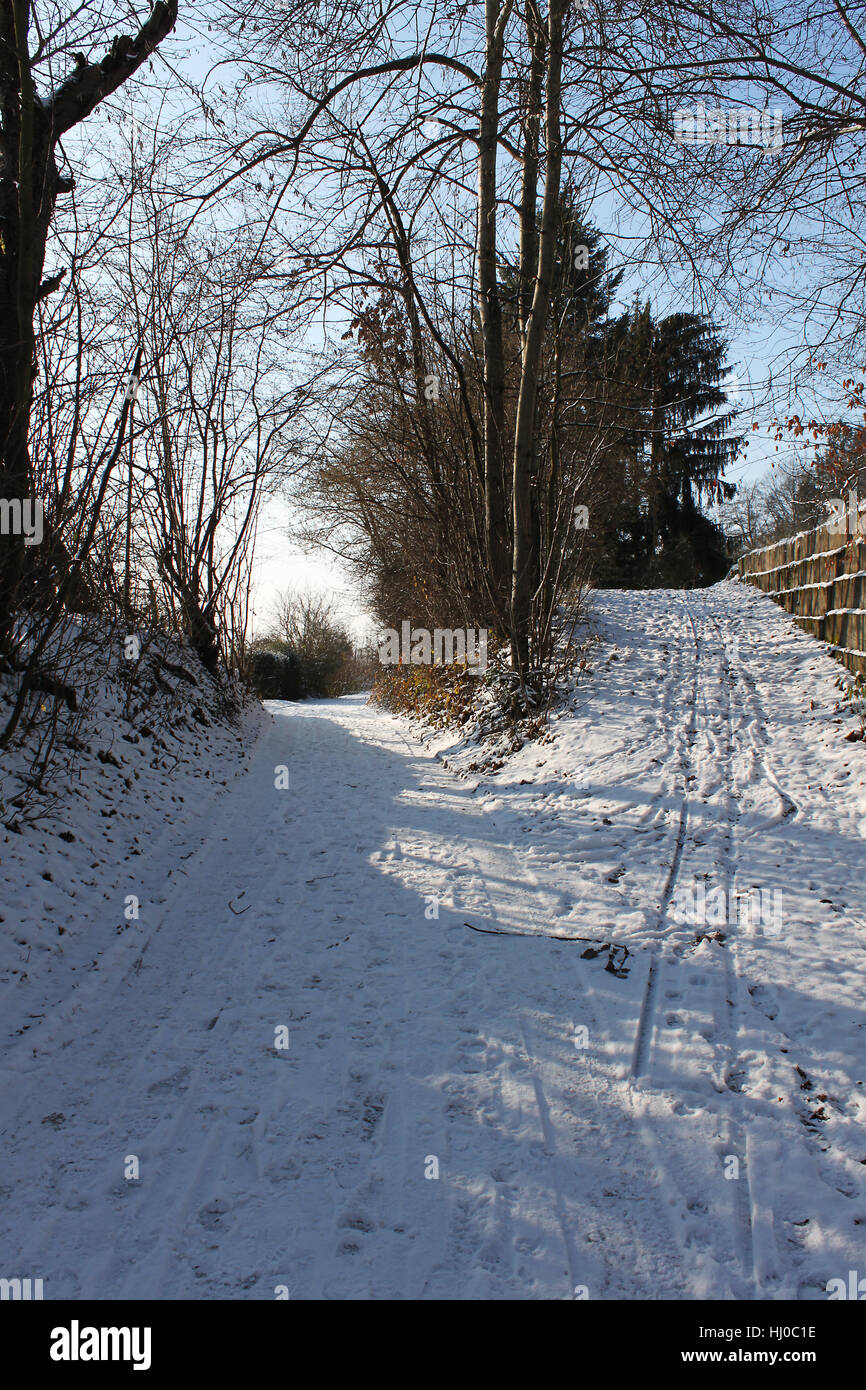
<point>666,955</point>
<point>727,1007</point>
<point>594,1012</point>
<point>752,726</point>
<point>647,1018</point>
<point>669,960</point>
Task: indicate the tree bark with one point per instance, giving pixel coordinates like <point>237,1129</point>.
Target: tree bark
<point>524,575</point>
<point>490,311</point>
<point>29,185</point>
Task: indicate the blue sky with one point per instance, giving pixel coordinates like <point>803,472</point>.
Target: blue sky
<point>758,352</point>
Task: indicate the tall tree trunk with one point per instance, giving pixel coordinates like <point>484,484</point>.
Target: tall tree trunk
<point>30,128</point>
<point>529,174</point>
<point>525,574</point>
<point>28,189</point>
<point>497,15</point>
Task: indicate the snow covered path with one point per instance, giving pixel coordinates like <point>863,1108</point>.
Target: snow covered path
<point>703,1137</point>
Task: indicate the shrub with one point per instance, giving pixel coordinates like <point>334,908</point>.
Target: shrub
<point>276,674</point>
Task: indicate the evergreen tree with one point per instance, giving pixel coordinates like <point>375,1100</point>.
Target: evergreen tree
<point>674,454</point>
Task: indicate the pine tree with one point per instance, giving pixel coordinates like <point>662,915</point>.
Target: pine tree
<point>676,445</point>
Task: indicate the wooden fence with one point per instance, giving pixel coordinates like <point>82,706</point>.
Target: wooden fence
<point>819,576</point>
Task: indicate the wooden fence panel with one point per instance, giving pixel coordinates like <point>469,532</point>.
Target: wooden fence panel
<point>819,577</point>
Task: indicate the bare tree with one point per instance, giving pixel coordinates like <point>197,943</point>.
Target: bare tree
<point>216,440</point>
<point>33,125</point>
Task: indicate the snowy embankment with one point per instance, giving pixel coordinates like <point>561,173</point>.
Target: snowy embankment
<point>396,1032</point>
<point>132,777</point>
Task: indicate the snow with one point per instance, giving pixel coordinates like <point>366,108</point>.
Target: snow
<point>702,757</point>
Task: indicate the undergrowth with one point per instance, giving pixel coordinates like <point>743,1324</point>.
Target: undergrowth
<point>489,708</point>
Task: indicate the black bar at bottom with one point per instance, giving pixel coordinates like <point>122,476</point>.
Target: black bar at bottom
<point>63,1339</point>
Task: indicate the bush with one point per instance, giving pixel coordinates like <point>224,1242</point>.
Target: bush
<point>327,664</point>
<point>489,708</point>
<point>442,695</point>
<point>306,624</point>
<point>277,674</point>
